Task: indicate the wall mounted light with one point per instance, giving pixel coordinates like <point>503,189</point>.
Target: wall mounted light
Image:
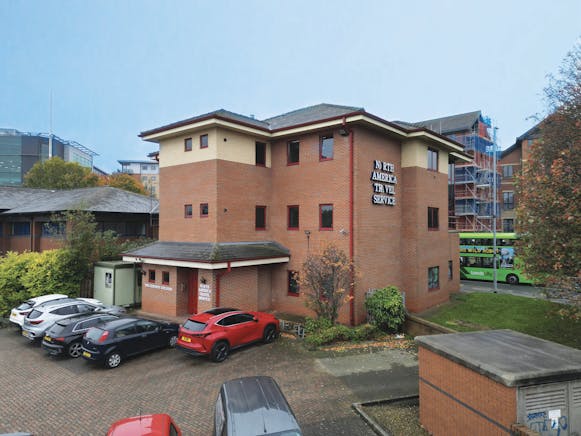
<point>203,280</point>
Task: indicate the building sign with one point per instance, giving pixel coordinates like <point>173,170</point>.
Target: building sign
<point>204,292</point>
<point>154,286</point>
<point>383,181</point>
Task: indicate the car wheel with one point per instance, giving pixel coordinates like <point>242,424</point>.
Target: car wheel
<point>269,334</point>
<point>113,360</point>
<point>511,279</point>
<point>75,349</point>
<point>173,339</point>
<point>220,351</point>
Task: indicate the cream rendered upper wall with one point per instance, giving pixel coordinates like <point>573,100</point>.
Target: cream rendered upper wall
<point>222,144</point>
<point>415,154</point>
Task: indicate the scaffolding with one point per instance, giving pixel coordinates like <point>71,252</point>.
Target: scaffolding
<point>474,208</point>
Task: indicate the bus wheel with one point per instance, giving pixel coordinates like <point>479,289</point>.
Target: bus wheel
<point>511,279</point>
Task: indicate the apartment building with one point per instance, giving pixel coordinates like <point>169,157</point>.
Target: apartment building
<point>144,171</point>
<point>243,202</point>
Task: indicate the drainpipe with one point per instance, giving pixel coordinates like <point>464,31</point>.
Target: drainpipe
<point>218,277</point>
<point>351,218</point>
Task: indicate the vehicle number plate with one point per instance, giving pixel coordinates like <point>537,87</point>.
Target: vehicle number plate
<point>24,333</point>
<point>85,354</point>
<point>186,339</point>
<point>47,338</point>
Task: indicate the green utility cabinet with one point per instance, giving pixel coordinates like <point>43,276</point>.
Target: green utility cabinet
<point>115,282</point>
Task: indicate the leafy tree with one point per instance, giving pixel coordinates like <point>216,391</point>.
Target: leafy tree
<point>386,308</point>
<point>549,187</point>
<point>55,173</point>
<point>123,181</point>
<point>326,279</point>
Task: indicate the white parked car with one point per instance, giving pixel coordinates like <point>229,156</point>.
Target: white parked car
<point>18,314</point>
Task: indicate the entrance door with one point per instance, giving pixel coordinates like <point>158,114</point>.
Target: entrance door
<point>193,291</point>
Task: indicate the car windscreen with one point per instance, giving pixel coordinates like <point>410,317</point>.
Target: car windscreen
<point>93,334</point>
<point>34,314</point>
<point>25,306</point>
<point>194,326</point>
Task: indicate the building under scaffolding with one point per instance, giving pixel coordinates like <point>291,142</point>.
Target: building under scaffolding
<point>471,185</point>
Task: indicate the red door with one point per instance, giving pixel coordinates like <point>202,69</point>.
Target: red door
<point>193,291</point>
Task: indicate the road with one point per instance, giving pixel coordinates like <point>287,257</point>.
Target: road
<point>503,288</point>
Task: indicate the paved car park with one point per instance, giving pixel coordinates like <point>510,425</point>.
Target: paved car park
<point>48,396</point>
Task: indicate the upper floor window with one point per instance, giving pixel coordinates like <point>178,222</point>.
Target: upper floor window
<point>326,147</point>
<point>188,144</point>
<point>292,155</point>
<point>293,218</point>
<point>432,159</point>
<point>508,225</point>
<point>261,154</point>
<point>508,200</point>
<point>507,171</point>
<point>433,223</point>
<point>260,223</point>
<point>326,217</point>
<point>203,141</point>
<point>203,210</point>
<point>187,211</point>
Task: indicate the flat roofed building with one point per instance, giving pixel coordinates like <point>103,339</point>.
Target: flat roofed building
<point>145,171</point>
<point>244,201</point>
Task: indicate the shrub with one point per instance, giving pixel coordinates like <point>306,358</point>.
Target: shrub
<point>316,325</point>
<point>364,332</point>
<point>322,331</point>
<point>386,309</point>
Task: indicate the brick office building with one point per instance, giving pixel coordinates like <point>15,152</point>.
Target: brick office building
<point>243,201</point>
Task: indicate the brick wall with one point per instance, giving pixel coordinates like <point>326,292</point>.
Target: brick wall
<point>156,300</point>
<point>441,378</point>
<point>239,288</point>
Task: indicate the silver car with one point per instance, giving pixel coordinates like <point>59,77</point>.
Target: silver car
<point>42,317</point>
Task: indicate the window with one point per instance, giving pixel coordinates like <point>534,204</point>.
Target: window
<point>165,277</point>
<point>434,277</point>
<point>433,218</point>
<point>325,217</point>
<point>203,210</point>
<point>432,159</point>
<point>53,230</point>
<point>508,200</point>
<point>507,171</point>
<point>293,284</point>
<point>260,154</point>
<point>152,275</point>
<point>508,225</point>
<point>293,218</point>
<point>203,141</point>
<point>20,229</point>
<point>292,153</point>
<point>188,144</point>
<point>326,147</point>
<point>187,211</point>
<point>260,223</point>
<point>450,270</point>
<point>235,319</point>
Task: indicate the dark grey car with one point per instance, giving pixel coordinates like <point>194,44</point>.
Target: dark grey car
<point>253,405</point>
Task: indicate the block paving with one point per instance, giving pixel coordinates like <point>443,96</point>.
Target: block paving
<point>47,396</point>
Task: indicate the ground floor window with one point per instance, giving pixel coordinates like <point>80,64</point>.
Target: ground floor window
<point>450,270</point>
<point>434,277</point>
<point>152,275</point>
<point>508,225</point>
<point>326,217</point>
<point>20,229</point>
<point>165,277</point>
<point>293,284</point>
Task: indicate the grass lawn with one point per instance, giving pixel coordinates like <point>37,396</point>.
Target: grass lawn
<point>482,311</point>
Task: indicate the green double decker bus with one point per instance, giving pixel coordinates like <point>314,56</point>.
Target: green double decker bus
<point>476,250</point>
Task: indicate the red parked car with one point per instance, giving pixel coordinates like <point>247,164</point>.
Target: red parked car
<point>145,425</point>
<point>217,331</point>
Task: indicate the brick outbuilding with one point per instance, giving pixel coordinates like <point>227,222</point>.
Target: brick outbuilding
<point>295,183</point>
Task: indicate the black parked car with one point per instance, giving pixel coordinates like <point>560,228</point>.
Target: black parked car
<point>114,341</point>
<point>66,335</point>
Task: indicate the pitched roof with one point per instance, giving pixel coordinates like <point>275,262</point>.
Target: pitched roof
<point>211,251</point>
<point>99,199</point>
<point>446,125</point>
<point>309,114</point>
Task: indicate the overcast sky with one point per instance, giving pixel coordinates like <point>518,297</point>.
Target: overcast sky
<point>117,68</point>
